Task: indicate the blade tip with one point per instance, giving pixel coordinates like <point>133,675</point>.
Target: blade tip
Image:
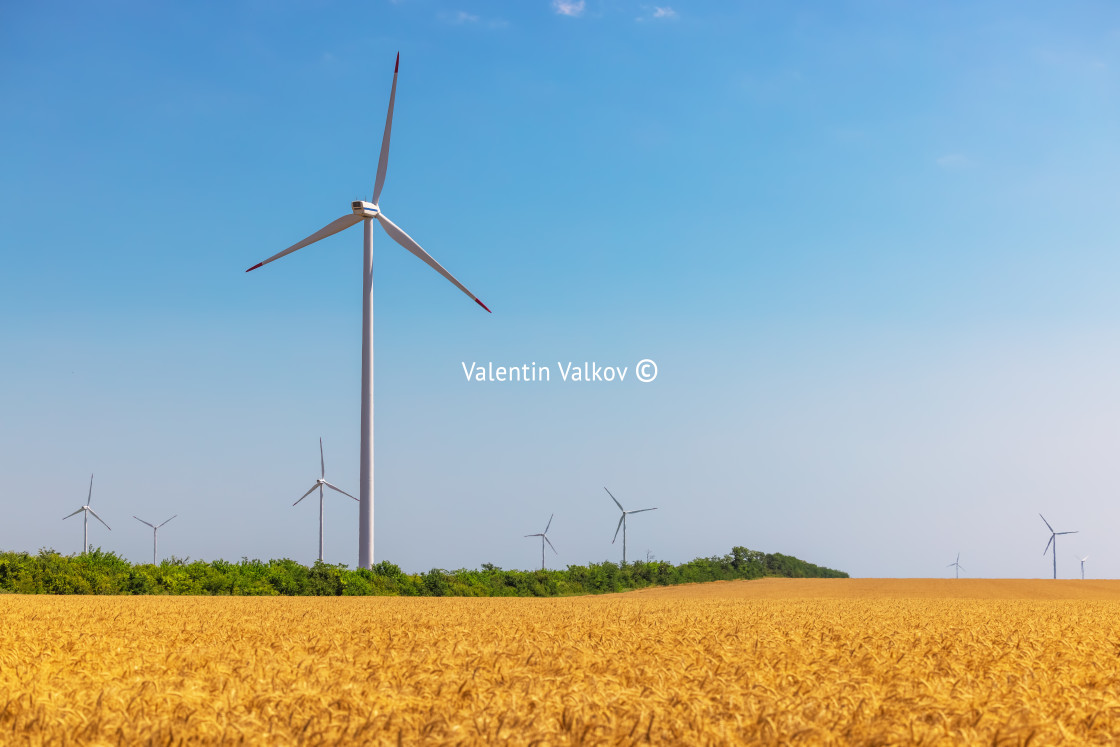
<point>480,303</point>
<point>258,264</point>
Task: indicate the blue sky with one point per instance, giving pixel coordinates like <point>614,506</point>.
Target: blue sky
<point>870,245</point>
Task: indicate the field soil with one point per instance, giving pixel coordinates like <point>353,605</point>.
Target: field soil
<point>781,661</point>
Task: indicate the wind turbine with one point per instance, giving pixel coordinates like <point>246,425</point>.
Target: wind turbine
<point>366,213</point>
<point>155,533</point>
<point>544,538</point>
<point>1053,541</point>
<point>622,522</point>
<point>85,520</point>
<point>957,564</point>
<point>320,483</point>
<point>1082,565</point>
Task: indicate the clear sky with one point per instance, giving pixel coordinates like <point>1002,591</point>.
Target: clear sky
<point>871,246</point>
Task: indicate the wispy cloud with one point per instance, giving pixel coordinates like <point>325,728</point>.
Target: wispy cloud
<point>458,17</point>
<point>568,7</point>
<point>657,13</point>
<point>954,161</point>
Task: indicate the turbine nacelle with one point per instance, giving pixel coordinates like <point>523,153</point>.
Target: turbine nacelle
<point>365,209</point>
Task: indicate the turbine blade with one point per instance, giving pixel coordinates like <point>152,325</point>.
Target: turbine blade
<point>340,490</point>
<point>328,230</point>
<point>1044,521</point>
<point>383,161</point>
<point>1065,532</point>
<point>620,520</point>
<point>402,238</point>
<point>309,492</point>
<point>166,521</point>
<point>620,508</point>
<point>67,516</point>
<point>546,539</point>
<point>144,522</point>
<point>89,498</point>
<point>641,510</point>
<point>322,459</point>
<point>100,519</point>
<point>1048,544</point>
<point>961,567</point>
<point>549,524</point>
<point>532,535</point>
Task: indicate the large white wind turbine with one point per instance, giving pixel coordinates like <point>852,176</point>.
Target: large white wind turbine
<point>320,484</point>
<point>1082,565</point>
<point>366,213</point>
<point>957,564</point>
<point>155,533</point>
<point>544,538</point>
<point>85,520</point>
<point>1053,541</point>
<point>622,522</point>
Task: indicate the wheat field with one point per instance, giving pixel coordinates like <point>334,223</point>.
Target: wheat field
<point>838,661</point>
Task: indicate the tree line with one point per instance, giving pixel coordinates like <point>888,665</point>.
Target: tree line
<point>99,572</point>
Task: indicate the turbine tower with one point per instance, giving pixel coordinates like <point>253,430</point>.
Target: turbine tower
<point>957,564</point>
<point>85,521</point>
<point>544,538</point>
<point>622,522</point>
<point>155,533</point>
<point>320,484</point>
<point>366,213</point>
<point>1053,541</point>
<point>1082,565</point>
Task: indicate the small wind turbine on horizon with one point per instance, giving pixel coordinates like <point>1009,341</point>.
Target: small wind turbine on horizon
<point>366,213</point>
<point>544,538</point>
<point>1053,541</point>
<point>85,520</point>
<point>320,484</point>
<point>956,563</point>
<point>622,522</point>
<point>1082,565</point>
<point>155,533</point>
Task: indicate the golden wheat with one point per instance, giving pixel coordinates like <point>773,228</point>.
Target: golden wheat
<point>764,662</point>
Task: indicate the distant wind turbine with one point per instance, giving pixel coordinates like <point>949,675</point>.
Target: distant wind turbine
<point>1053,541</point>
<point>956,563</point>
<point>544,538</point>
<point>320,484</point>
<point>1082,565</point>
<point>155,533</point>
<point>366,213</point>
<point>85,522</point>
<point>622,522</point>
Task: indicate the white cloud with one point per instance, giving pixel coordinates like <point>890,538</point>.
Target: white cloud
<point>568,7</point>
<point>656,13</point>
<point>459,17</point>
<point>665,12</point>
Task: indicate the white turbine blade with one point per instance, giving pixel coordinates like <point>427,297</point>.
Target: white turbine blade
<point>620,508</point>
<point>402,238</point>
<point>383,161</point>
<point>1084,558</point>
<point>165,521</point>
<point>616,529</point>
<point>99,518</point>
<point>144,522</point>
<point>1044,521</point>
<point>961,567</point>
<point>546,539</point>
<point>950,565</point>
<point>641,510</point>
<point>340,490</point>
<point>1048,544</point>
<point>329,230</point>
<point>1074,532</point>
<point>309,492</point>
<point>549,523</point>
<point>67,516</point>
<point>534,535</point>
<point>89,498</point>
<point>322,460</point>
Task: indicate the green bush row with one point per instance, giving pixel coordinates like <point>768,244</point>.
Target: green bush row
<point>99,572</point>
